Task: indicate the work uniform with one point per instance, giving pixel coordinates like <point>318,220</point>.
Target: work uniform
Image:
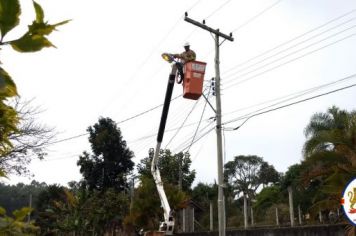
<point>186,56</point>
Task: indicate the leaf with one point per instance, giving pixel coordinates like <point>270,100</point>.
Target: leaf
<point>9,15</point>
<point>31,43</point>
<point>39,12</point>
<point>7,85</point>
<point>22,213</point>
<point>2,173</point>
<point>2,211</point>
<point>34,39</point>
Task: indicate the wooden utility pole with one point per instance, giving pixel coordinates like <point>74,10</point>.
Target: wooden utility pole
<point>217,34</point>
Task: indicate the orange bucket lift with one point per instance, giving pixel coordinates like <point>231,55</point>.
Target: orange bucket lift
<point>193,79</point>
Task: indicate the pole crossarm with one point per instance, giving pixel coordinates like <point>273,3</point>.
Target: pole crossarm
<point>203,26</point>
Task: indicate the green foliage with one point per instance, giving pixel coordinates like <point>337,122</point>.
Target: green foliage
<point>247,173</point>
<point>33,40</point>
<point>146,210</point>
<point>267,198</point>
<point>330,155</point>
<point>169,165</point>
<point>111,162</point>
<point>9,15</point>
<point>16,225</point>
<point>14,197</point>
<point>8,116</point>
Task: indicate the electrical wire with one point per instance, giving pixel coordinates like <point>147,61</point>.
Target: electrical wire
<point>186,118</point>
<point>291,47</point>
<point>294,95</point>
<point>284,106</point>
<point>218,9</point>
<point>201,117</point>
<point>287,62</point>
<point>256,16</point>
<point>144,62</point>
<point>291,40</point>
<point>196,140</point>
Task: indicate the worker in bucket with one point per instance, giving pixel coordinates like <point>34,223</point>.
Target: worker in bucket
<point>186,56</point>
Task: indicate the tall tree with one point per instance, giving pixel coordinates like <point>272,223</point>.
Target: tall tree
<point>247,173</point>
<point>173,167</point>
<point>110,162</point>
<point>330,154</point>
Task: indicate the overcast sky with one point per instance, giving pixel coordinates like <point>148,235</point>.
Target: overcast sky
<point>107,63</point>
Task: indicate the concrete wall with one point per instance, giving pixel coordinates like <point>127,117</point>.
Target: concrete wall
<point>321,230</point>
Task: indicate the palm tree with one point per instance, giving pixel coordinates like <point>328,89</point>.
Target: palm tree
<point>330,154</point>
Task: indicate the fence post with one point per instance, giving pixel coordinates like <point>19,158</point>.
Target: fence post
<point>291,209</point>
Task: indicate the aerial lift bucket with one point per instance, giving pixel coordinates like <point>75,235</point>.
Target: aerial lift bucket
<point>193,79</point>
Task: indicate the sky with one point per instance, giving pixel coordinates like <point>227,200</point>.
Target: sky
<point>107,63</point>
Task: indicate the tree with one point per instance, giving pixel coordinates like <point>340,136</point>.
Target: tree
<point>146,210</point>
<point>17,196</point>
<point>49,208</point>
<point>169,165</point>
<point>247,173</point>
<point>16,225</point>
<point>330,154</point>
<point>33,40</point>
<point>28,142</point>
<point>110,162</point>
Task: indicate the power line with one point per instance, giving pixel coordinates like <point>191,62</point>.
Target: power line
<point>186,118</point>
<point>144,62</point>
<point>67,139</point>
<point>256,16</point>
<point>291,40</point>
<point>294,95</point>
<point>201,117</point>
<point>146,111</point>
<point>287,105</point>
<point>297,44</point>
<point>289,61</point>
<point>218,9</point>
<point>196,140</point>
<point>291,53</point>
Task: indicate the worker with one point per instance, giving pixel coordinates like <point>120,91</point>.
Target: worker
<point>186,56</point>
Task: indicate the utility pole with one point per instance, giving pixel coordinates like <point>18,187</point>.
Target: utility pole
<point>217,34</point>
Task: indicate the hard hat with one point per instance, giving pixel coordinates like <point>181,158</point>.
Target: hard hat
<point>187,44</point>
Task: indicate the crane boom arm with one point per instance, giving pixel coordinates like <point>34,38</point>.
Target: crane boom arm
<point>168,225</point>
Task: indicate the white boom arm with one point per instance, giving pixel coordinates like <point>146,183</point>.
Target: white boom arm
<point>167,226</point>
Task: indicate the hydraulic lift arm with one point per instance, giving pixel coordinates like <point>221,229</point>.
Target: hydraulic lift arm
<point>167,226</point>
